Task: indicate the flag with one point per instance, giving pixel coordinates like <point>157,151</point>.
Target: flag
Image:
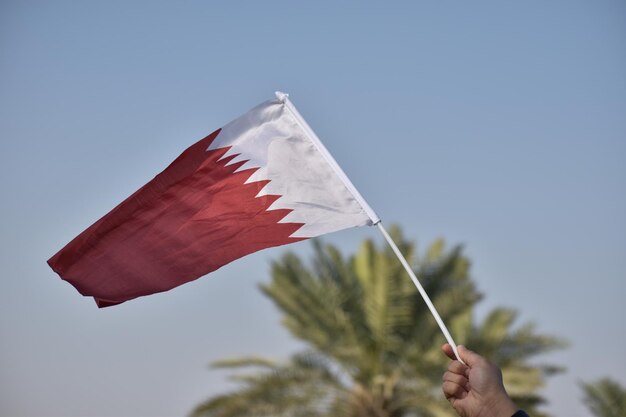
<point>263,180</point>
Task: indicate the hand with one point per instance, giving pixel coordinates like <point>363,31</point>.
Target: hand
<point>475,389</point>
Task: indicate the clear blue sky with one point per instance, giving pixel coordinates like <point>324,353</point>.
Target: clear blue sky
<point>499,125</point>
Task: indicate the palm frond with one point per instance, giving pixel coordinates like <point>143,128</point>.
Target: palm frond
<point>244,362</point>
<point>605,398</point>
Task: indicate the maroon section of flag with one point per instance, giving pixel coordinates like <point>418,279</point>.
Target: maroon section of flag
<point>263,180</point>
<point>194,217</point>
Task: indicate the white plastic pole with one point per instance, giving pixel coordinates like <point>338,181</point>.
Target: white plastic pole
<point>421,290</point>
<point>375,220</point>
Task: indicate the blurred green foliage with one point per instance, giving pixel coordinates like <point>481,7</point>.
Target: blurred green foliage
<point>373,346</point>
<point>605,398</point>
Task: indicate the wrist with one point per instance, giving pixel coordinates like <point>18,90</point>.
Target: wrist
<point>503,407</point>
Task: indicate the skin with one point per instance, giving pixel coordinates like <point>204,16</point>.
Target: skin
<point>475,389</point>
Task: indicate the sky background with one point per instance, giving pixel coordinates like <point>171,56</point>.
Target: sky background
<point>497,125</point>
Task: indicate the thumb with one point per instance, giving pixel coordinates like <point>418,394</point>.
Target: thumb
<point>469,357</point>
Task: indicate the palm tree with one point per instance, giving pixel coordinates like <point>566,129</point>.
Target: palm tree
<point>373,347</point>
<point>605,398</point>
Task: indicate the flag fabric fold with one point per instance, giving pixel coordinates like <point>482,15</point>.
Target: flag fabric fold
<point>262,180</point>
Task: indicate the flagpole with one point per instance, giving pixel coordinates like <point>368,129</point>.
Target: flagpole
<point>375,220</point>
<point>421,290</point>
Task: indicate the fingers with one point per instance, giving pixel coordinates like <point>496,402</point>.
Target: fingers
<point>447,349</point>
<point>453,391</point>
<point>458,368</point>
<point>455,383</point>
<point>458,379</point>
<point>469,357</point>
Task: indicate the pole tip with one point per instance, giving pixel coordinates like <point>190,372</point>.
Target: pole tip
<point>282,97</point>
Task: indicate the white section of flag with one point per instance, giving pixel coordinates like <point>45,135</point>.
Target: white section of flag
<point>274,138</point>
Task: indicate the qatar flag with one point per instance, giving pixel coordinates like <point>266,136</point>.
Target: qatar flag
<point>263,180</point>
